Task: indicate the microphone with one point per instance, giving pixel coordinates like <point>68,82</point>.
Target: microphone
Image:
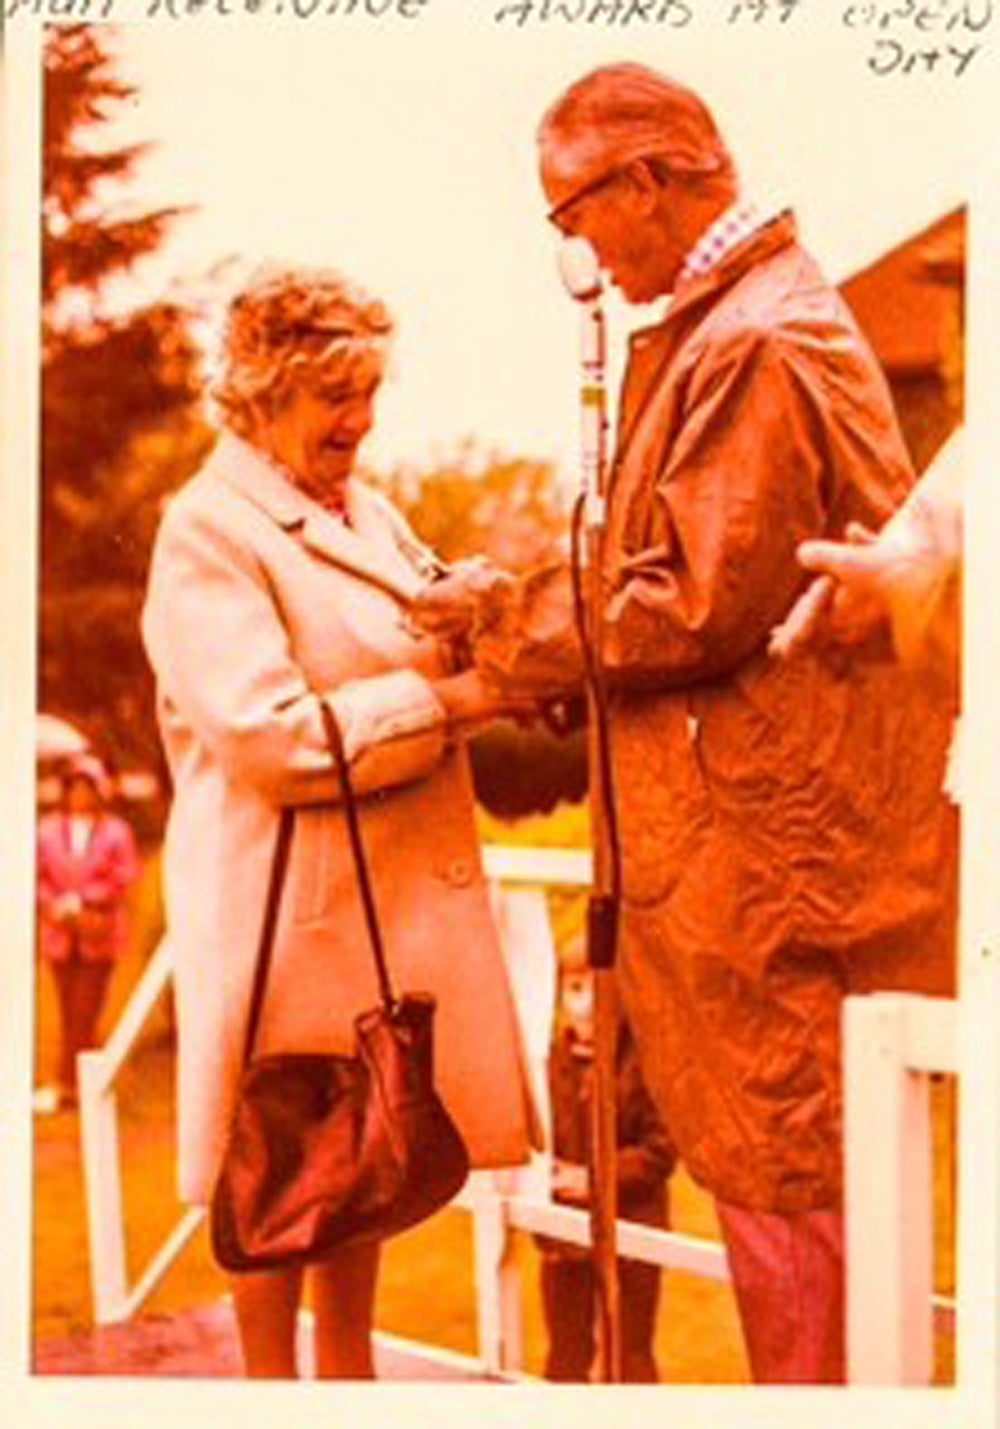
<point>581,277</point>
<point>579,270</point>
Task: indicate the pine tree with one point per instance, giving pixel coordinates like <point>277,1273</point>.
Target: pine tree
<point>121,421</point>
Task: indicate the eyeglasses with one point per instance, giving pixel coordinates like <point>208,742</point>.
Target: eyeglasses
<point>557,215</point>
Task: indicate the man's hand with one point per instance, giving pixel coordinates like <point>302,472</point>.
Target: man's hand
<point>451,607</point>
<point>848,603</point>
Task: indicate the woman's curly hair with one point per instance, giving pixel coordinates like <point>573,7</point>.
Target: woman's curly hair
<point>290,324</point>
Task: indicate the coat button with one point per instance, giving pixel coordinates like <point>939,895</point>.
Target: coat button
<point>459,872</point>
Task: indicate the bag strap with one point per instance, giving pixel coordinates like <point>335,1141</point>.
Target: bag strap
<point>265,946</point>
<point>276,882</point>
<point>336,743</point>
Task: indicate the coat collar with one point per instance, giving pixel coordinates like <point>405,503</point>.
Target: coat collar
<point>651,349</point>
<point>368,547</point>
<point>775,233</point>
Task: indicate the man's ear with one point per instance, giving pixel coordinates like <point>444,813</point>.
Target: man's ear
<point>646,185</point>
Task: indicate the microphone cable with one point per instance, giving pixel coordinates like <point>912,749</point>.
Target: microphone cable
<point>603,908</point>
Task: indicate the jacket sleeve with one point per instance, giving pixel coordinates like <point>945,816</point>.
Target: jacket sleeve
<point>224,667</point>
<point>643,1169</point>
<point>713,569</point>
<point>646,1154</point>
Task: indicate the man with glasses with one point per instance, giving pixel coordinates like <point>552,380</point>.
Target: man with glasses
<point>785,841</point>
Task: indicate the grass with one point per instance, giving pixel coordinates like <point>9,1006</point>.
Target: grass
<point>426,1287</point>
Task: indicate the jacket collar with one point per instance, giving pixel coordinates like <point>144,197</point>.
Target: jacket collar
<point>651,349</point>
<point>776,233</point>
<point>367,547</point>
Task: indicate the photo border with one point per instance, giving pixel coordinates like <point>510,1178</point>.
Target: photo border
<point>43,1401</point>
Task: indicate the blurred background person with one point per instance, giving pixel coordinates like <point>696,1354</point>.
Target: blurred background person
<point>87,860</point>
<point>644,1163</point>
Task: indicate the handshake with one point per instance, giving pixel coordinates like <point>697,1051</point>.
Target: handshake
<point>458,608</point>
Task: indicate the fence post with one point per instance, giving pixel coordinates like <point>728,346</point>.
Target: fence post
<point>888,1198</point>
<point>498,1282</point>
<point>103,1187</point>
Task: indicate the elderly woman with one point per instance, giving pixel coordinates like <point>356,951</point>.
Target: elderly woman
<point>280,579</point>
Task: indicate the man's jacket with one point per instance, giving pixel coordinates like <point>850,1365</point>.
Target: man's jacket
<point>785,838</point>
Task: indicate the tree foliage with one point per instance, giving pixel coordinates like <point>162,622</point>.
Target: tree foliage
<point>121,420</point>
<point>82,241</point>
<point>508,508</point>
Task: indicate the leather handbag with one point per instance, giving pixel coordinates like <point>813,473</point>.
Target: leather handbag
<point>329,1150</point>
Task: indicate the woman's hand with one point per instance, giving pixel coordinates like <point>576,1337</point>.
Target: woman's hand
<point>863,569</point>
<point>67,908</point>
<point>453,606</point>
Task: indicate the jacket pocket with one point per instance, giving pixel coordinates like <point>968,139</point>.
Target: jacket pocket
<point>661,794</point>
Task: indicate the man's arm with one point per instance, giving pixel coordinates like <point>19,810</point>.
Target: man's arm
<point>739,489</point>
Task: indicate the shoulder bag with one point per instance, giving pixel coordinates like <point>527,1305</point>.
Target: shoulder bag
<point>325,1150</point>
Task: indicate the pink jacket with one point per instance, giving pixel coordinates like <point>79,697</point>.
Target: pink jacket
<point>99,875</point>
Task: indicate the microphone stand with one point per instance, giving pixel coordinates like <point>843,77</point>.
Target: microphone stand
<point>579,271</point>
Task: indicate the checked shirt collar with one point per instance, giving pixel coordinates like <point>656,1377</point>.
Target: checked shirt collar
<point>737,223</point>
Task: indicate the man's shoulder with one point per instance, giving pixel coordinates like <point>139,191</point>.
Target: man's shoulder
<point>782,310</point>
<point>781,294</point>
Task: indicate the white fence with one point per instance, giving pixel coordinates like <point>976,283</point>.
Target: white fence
<point>892,1045</point>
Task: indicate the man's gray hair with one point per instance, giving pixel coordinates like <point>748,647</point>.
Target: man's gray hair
<point>626,111</point>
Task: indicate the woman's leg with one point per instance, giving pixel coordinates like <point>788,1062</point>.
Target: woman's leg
<point>343,1293</point>
<point>788,1279</point>
<point>267,1306</point>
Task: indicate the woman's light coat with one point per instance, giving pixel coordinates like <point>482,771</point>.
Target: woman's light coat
<point>259,602</point>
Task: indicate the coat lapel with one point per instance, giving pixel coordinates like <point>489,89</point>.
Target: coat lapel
<point>365,548</point>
